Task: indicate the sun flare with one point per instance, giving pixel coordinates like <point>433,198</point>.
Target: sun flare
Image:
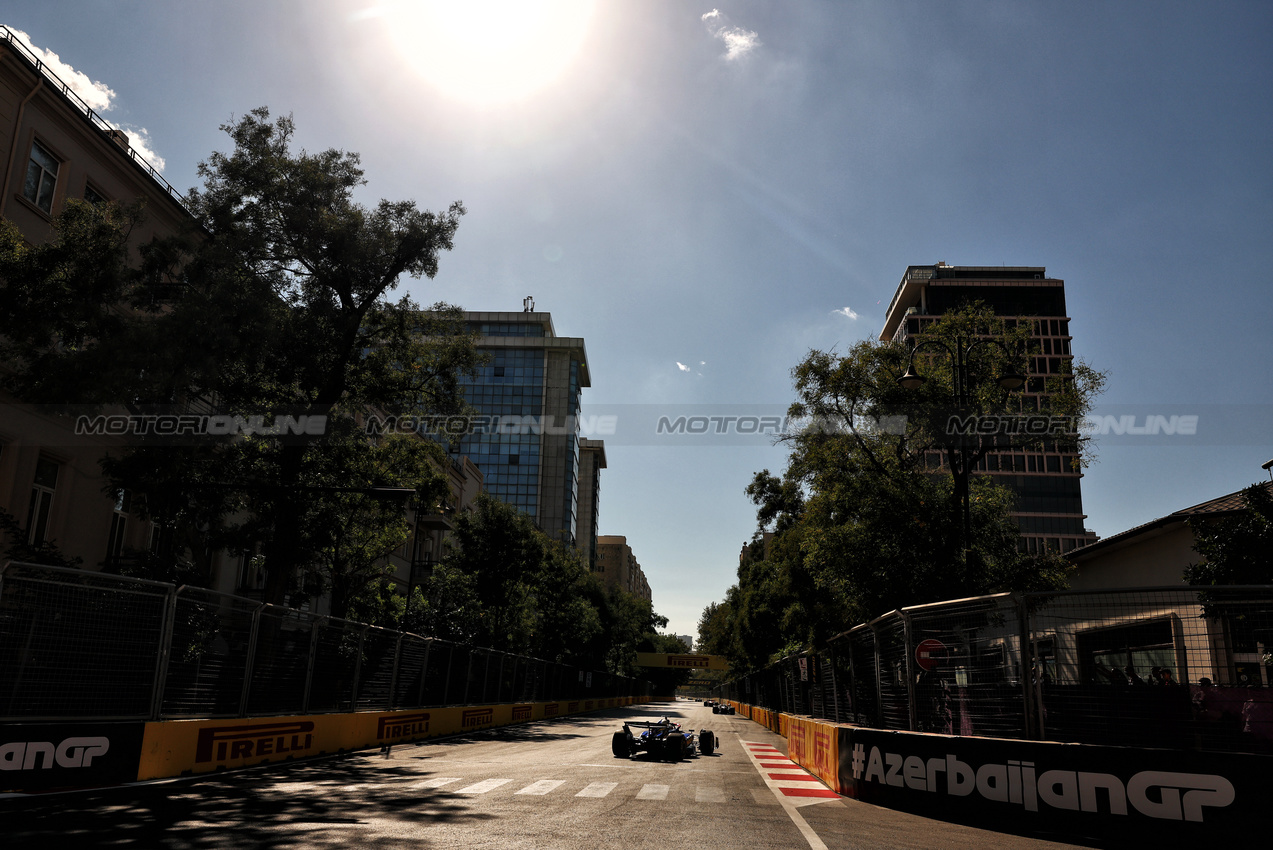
<point>490,52</point>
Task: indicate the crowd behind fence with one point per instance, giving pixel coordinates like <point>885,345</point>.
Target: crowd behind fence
<point>1176,668</point>
<point>78,644</point>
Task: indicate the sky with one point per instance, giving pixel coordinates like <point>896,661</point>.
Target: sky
<point>705,193</point>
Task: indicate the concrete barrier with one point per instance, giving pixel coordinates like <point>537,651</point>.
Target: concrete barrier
<point>1072,789</point>
<point>42,757</point>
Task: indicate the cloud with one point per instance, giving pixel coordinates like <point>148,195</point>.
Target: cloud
<point>139,140</point>
<point>96,95</point>
<point>682,366</point>
<point>738,41</point>
<point>846,312</point>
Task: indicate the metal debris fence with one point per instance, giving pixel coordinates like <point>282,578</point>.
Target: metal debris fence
<point>1169,667</point>
<point>77,644</point>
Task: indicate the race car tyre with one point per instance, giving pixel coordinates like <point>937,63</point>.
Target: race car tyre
<point>619,745</point>
<point>706,743</point>
<point>675,747</point>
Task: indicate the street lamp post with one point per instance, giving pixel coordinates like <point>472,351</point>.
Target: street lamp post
<point>959,359</point>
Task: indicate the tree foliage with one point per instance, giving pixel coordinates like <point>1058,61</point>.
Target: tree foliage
<point>1237,548</point>
<point>505,584</point>
<point>278,301</point>
<point>861,521</point>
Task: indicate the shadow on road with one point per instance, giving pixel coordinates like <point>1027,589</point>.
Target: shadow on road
<point>302,805</point>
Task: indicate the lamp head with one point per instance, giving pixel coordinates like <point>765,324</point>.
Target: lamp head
<point>1012,380</point>
<point>911,380</point>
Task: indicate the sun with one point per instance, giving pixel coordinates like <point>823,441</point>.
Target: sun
<point>490,52</point>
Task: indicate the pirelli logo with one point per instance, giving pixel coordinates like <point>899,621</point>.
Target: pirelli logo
<point>223,743</point>
<point>552,709</point>
<point>476,717</point>
<point>587,705</point>
<point>572,707</point>
<point>402,725</point>
<point>521,712</point>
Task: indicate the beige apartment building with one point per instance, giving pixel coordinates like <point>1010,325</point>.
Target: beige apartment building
<point>54,148</point>
<point>618,567</point>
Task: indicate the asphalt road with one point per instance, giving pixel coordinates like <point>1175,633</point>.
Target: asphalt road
<point>542,785</point>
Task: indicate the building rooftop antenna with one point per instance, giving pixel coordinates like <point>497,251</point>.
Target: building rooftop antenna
<point>528,304</point>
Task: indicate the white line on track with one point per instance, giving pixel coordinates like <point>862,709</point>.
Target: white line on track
<point>597,789</point>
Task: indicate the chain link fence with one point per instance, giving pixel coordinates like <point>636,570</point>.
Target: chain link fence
<point>79,644</point>
<point>1175,668</point>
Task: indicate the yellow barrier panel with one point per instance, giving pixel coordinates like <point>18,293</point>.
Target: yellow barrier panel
<point>815,746</point>
<point>179,747</point>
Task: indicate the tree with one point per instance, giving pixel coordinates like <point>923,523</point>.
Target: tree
<point>276,303</point>
<point>863,521</point>
<point>1237,548</point>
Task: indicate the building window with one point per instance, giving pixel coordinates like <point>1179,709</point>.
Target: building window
<point>42,489</point>
<point>93,196</point>
<point>119,524</point>
<point>41,178</point>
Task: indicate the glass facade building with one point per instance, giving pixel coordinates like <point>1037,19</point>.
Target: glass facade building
<point>528,396</point>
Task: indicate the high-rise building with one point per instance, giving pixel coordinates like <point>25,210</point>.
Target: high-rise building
<point>1049,507</point>
<point>592,459</point>
<point>528,395</point>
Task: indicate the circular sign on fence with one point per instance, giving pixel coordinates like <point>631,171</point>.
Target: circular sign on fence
<point>929,652</point>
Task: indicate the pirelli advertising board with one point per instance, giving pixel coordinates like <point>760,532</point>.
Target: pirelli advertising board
<point>38,757</point>
<point>682,662</point>
<point>174,748</point>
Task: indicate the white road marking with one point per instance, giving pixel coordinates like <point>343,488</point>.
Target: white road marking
<point>542,787</point>
<point>788,804</point>
<point>653,792</point>
<point>598,789</point>
<point>435,782</point>
<point>709,794</point>
<point>483,787</point>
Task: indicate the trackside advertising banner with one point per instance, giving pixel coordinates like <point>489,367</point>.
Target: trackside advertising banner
<point>178,747</point>
<point>48,756</point>
<point>1072,788</point>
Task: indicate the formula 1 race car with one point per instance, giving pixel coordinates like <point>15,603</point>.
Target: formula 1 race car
<point>662,739</point>
<point>722,708</point>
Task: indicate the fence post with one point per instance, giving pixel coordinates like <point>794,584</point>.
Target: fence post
<point>835,685</point>
<point>362,642</point>
<point>250,663</point>
<point>424,672</point>
<point>468,677</point>
<point>165,651</point>
<point>393,679</point>
<point>879,685</point>
<point>446,681</point>
<point>909,648</point>
<point>313,658</point>
<point>1031,729</point>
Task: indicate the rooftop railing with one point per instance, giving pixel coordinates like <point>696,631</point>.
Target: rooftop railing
<point>24,51</point>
